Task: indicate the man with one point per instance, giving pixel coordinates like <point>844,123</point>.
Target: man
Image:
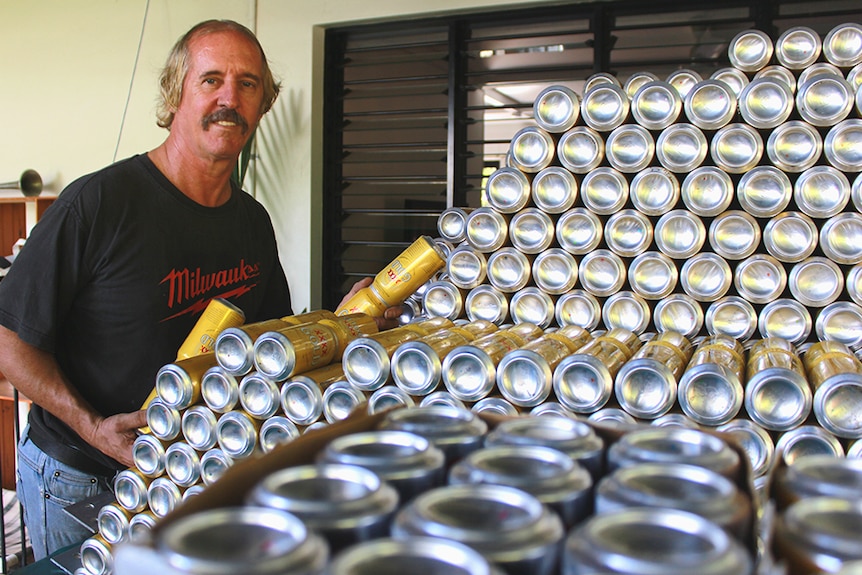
<point>115,274</point>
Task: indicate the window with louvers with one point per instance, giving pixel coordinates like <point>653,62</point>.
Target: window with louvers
<point>419,112</point>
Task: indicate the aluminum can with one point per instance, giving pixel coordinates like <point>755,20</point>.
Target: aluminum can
<point>507,191</point>
<point>578,307</point>
<point>387,397</point>
<point>531,230</point>
<point>853,283</point>
<point>841,146</point>
<point>583,381</point>
<point>198,427</point>
<point>636,81</point>
<point>679,312</point>
<point>183,464</point>
<point>219,389</point>
<point>163,496</point>
<point>394,283</point>
<point>410,555</point>
<point>798,47</point>
<point>556,108</point>
<point>213,465</point>
<point>816,281</point>
<point>219,315</point>
<point>764,191</point>
<point>706,276</point>
<point>599,78</point>
<point>679,234</point>
<point>645,386</point>
<point>819,533</point>
<point>301,396</point>
<point>657,104</point>
<point>604,190</point>
<point>97,557</point>
<point>821,191</point>
<point>735,78</point>
<point>732,316</point>
<point>681,147</point>
<point>626,310</point>
<point>654,191</point>
<point>456,431</point>
<point>467,267</point>
<point>755,441</point>
<point>495,405</point>
<point>777,394</point>
<point>794,146</point>
<point>366,360</point>
<point>840,321</point>
<point>488,303</point>
<point>683,80</point>
<point>628,233</point>
<point>614,417</point>
<point>707,191</point>
<point>681,486</point>
<point>470,371</point>
<point>785,318</point>
<point>509,269</point>
<point>668,445</point>
<point>140,526</point>
<point>854,450</point>
<point>835,375</point>
<point>296,349</point>
<point>255,541</point>
<point>532,305</point>
<point>630,148</point>
<point>452,224</point>
<point>736,148</point>
<point>130,489</point>
<point>164,422</point>
<point>734,234</point>
<point>554,190</point>
<point>444,299</point>
<point>349,327</point>
<point>531,149</point>
<point>614,539</point>
<point>442,399</point>
<point>508,526</point>
<point>807,440</point>
<point>237,434</point>
<point>234,346</point>
<point>760,278</point>
<point>345,504</point>
<point>579,231</point>
<point>817,475</point>
<point>824,100</point>
<point>604,107</point>
<point>573,437</point>
<point>416,366</point>
<point>259,395</point>
<point>790,237</point>
<point>546,473</point>
<point>555,271</point>
<point>408,462</point>
<point>842,45</point>
<point>856,191</point>
<point>602,272</point>
<point>277,431</point>
<point>581,150</point>
<point>675,419</point>
<point>841,238</point>
<point>178,384</point>
<point>710,390</point>
<point>750,50</point>
<point>552,409</point>
<point>148,453</point>
<point>710,105</point>
<point>818,69</point>
<point>766,102</point>
<point>524,376</point>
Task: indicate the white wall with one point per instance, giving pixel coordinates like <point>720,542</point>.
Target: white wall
<point>69,67</point>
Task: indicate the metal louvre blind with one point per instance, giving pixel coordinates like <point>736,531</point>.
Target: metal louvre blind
<point>419,112</point>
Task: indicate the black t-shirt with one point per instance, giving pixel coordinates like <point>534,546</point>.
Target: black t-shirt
<point>116,273</point>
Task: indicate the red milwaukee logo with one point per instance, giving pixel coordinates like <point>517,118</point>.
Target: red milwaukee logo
<point>186,285</point>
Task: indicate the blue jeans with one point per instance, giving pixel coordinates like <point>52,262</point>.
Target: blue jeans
<point>45,487</point>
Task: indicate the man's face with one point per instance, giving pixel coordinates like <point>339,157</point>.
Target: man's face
<point>222,95</point>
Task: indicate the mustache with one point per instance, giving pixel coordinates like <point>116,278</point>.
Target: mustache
<point>225,115</point>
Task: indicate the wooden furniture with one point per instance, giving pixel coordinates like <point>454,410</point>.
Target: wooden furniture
<point>13,217</point>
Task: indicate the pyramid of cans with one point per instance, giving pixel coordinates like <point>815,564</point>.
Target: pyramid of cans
<point>676,213</point>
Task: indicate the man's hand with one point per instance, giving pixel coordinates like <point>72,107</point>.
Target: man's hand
<point>390,314</point>
<point>114,436</point>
